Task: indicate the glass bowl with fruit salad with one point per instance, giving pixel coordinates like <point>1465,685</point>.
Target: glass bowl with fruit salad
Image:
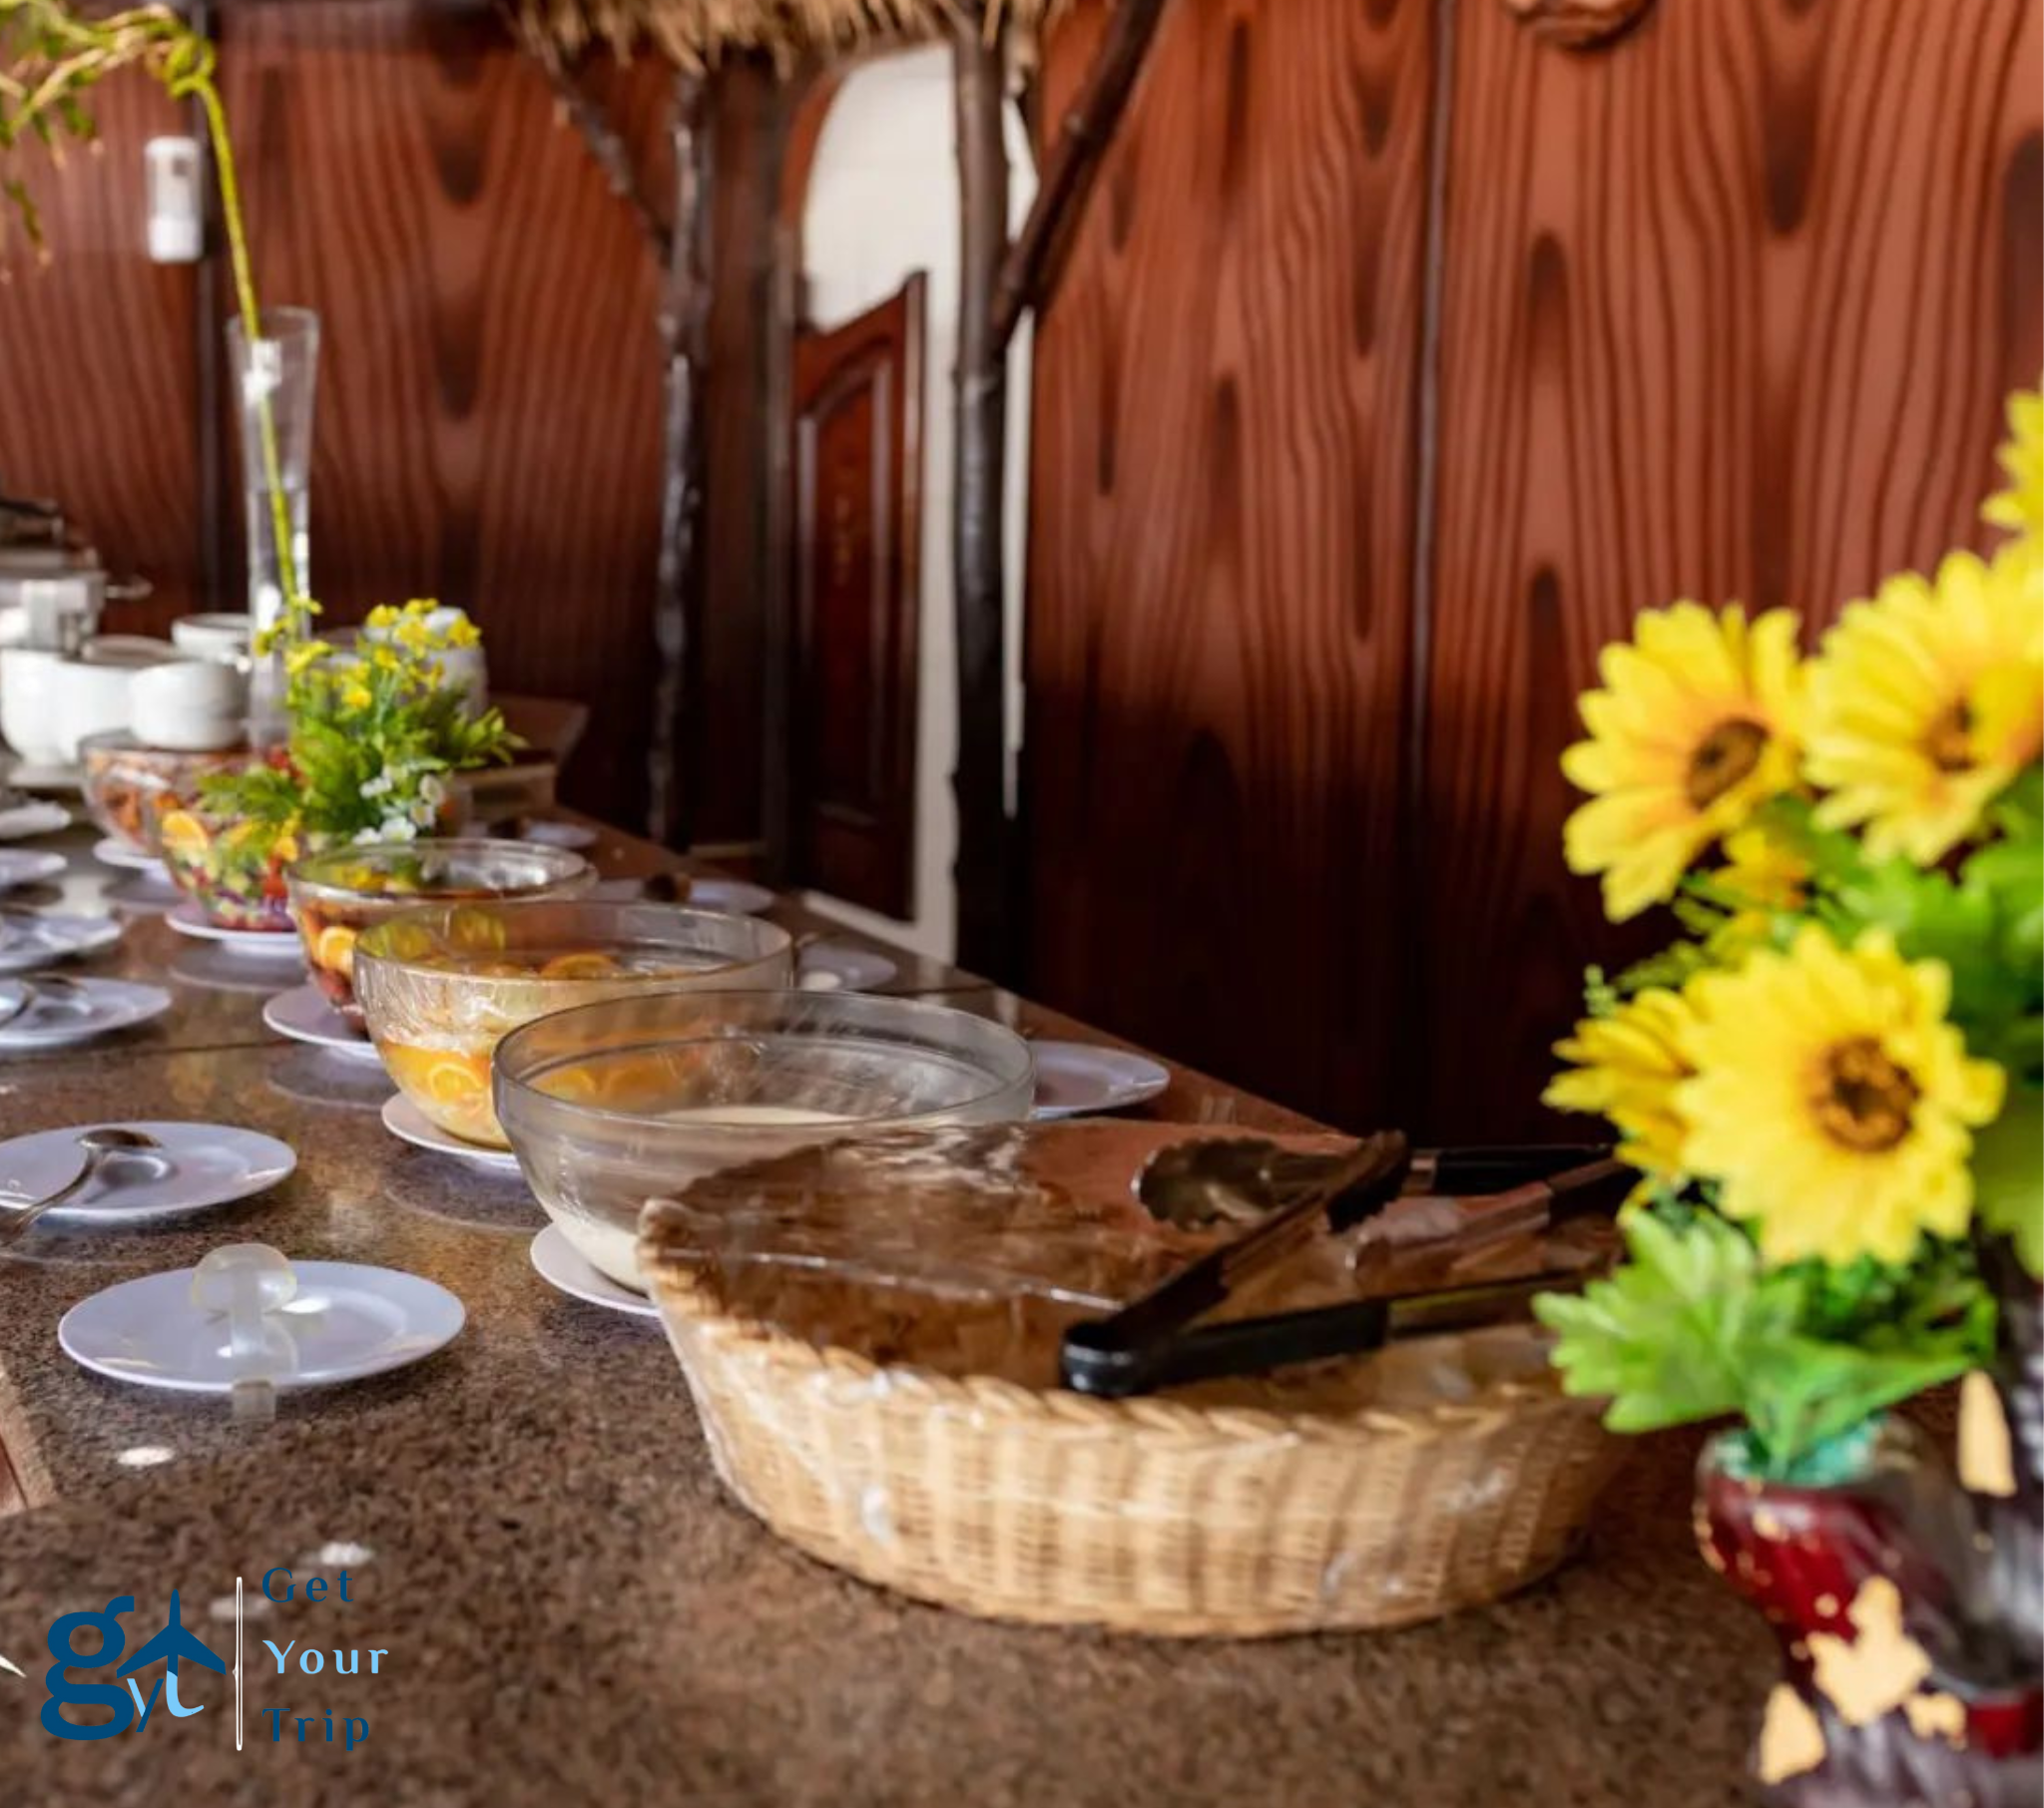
<point>130,786</point>
<point>615,1104</point>
<point>440,985</point>
<point>334,896</point>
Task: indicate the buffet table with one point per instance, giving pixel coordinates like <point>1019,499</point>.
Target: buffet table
<point>565,1605</point>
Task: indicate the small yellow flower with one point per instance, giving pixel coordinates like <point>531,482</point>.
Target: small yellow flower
<point>1832,1101</point>
<point>1926,701</point>
<point>355,695</point>
<point>461,632</point>
<point>301,659</point>
<point>1694,728</point>
<point>1627,1066</point>
<point>2021,505</point>
<point>1762,877</point>
<point>381,617</point>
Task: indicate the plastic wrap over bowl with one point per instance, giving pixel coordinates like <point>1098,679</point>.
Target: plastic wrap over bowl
<point>440,987</point>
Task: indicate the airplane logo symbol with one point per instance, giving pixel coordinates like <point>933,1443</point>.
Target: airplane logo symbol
<point>169,1648</point>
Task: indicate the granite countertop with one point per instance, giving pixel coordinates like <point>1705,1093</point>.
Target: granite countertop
<point>569,1606</point>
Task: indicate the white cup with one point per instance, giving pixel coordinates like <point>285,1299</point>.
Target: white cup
<point>28,694</point>
<point>213,636</point>
<point>188,706</point>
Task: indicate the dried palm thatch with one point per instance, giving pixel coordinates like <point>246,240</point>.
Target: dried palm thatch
<point>696,32</point>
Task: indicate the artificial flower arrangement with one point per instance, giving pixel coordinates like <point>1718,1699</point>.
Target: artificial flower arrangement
<point>1830,1087</point>
<point>1834,1079</point>
<point>376,734</point>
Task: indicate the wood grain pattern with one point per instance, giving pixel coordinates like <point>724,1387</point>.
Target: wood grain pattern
<point>97,394</point>
<point>489,408</point>
<point>857,419</point>
<point>1729,312</point>
<point>1222,486</point>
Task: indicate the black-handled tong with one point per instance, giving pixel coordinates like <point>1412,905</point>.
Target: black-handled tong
<point>1150,1343</point>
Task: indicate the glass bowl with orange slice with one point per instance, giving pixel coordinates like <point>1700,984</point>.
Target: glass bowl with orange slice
<point>129,786</point>
<point>615,1104</point>
<point>336,895</point>
<point>230,867</point>
<point>440,987</point>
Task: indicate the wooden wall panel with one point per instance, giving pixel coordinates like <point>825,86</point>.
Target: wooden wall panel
<point>1729,312</point>
<point>489,410</point>
<point>1222,490</point>
<point>97,391</point>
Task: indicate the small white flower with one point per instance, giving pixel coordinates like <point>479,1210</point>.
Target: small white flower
<point>433,789</point>
<point>380,785</point>
<point>398,828</point>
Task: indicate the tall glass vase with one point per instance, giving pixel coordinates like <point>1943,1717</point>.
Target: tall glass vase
<point>281,369</point>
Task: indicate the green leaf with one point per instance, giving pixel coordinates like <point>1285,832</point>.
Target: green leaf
<point>2008,1174</point>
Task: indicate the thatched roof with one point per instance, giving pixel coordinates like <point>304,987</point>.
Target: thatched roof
<point>693,32</point>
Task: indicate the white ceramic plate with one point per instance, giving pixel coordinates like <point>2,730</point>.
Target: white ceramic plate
<point>840,967</point>
<point>346,1321</point>
<point>56,1016</point>
<point>189,919</point>
<point>562,1267</point>
<point>1073,1078</point>
<point>558,834</point>
<point>29,778</point>
<point>200,1165</point>
<point>738,897</point>
<point>111,850</point>
<point>27,866</point>
<point>36,942</point>
<point>404,1120</point>
<point>19,821</point>
<point>303,1015</point>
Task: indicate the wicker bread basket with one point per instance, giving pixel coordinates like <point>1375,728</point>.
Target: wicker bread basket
<point>1147,1515</point>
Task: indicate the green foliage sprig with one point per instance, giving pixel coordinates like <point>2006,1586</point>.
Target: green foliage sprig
<point>51,58</point>
<point>377,733</point>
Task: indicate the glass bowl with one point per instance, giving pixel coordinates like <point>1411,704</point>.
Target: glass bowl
<point>334,896</point>
<point>440,985</point>
<point>129,786</point>
<point>614,1104</point>
<point>230,867</point>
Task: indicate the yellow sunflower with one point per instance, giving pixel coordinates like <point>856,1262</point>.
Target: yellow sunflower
<point>1832,1101</point>
<point>1626,1068</point>
<point>1926,701</point>
<point>1694,727</point>
<point>2021,505</point>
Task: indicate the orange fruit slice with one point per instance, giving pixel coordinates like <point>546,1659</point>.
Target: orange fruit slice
<point>335,948</point>
<point>182,833</point>
<point>586,964</point>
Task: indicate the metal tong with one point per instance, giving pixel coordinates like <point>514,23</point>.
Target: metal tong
<point>1287,1199</point>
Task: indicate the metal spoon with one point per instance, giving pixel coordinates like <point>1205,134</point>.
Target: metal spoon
<point>43,988</point>
<point>100,1144</point>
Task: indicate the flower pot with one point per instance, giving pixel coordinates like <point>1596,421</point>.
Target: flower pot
<point>1891,1554</point>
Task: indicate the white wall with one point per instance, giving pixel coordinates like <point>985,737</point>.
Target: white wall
<point>883,203</point>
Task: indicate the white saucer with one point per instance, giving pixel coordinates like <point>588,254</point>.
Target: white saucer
<point>562,1265</point>
<point>111,850</point>
<point>303,1015</point>
<point>21,820</point>
<point>53,937</point>
<point>404,1120</point>
<point>56,1017</point>
<point>141,894</point>
<point>27,866</point>
<point>200,1165</point>
<point>345,1322</point>
<point>1073,1078</point>
<point>840,967</point>
<point>558,834</point>
<point>737,897</point>
<point>189,919</point>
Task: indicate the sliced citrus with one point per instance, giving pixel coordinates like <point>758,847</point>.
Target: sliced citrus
<point>182,833</point>
<point>335,948</point>
<point>585,964</point>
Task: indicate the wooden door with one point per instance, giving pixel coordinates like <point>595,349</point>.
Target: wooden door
<point>857,432</point>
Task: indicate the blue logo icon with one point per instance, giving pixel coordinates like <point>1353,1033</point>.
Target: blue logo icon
<point>170,1648</point>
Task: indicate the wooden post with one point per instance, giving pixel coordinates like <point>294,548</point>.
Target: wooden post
<point>980,379</point>
<point>683,334</point>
